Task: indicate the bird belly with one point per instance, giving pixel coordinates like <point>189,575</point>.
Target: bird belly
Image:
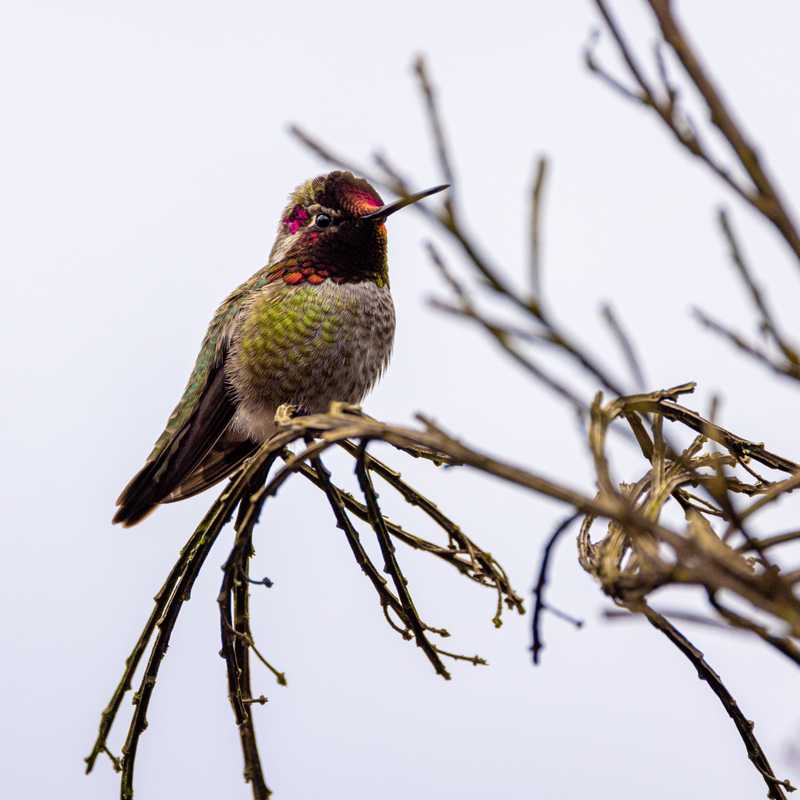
<point>308,347</point>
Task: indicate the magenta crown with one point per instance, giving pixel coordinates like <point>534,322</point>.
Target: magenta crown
<point>343,191</point>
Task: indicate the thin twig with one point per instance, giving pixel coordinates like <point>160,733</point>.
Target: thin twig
<point>161,600</point>
<point>385,595</point>
<point>503,340</point>
<point>234,601</point>
<point>625,345</point>
<point>537,193</point>
<point>208,529</point>
<point>748,348</point>
<point>782,644</point>
<point>393,568</point>
<point>706,673</point>
<point>538,591</point>
<point>771,541</point>
<point>620,615</point>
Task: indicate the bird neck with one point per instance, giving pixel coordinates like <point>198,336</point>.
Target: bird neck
<point>298,270</point>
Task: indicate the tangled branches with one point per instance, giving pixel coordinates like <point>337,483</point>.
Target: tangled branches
<point>248,490</point>
<point>638,555</point>
<point>630,565</point>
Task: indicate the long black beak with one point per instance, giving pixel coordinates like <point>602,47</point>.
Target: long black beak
<point>384,211</point>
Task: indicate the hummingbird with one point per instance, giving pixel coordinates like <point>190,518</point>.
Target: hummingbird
<point>315,325</point>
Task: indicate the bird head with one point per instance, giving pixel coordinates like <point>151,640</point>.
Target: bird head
<point>334,225</point>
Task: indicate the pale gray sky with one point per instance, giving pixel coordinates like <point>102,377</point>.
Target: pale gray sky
<point>144,160</point>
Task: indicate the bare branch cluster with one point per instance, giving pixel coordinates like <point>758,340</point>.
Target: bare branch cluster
<point>748,177</point>
<point>249,489</point>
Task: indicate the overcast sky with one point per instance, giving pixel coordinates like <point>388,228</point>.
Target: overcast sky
<point>145,160</point>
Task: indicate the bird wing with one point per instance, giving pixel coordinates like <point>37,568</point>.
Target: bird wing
<point>220,461</point>
<point>181,453</point>
<point>198,421</point>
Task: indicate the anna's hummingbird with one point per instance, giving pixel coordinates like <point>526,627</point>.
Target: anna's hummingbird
<point>315,325</point>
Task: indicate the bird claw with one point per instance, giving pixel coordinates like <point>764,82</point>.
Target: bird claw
<point>284,414</point>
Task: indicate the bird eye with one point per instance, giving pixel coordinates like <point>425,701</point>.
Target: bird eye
<point>322,221</point>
